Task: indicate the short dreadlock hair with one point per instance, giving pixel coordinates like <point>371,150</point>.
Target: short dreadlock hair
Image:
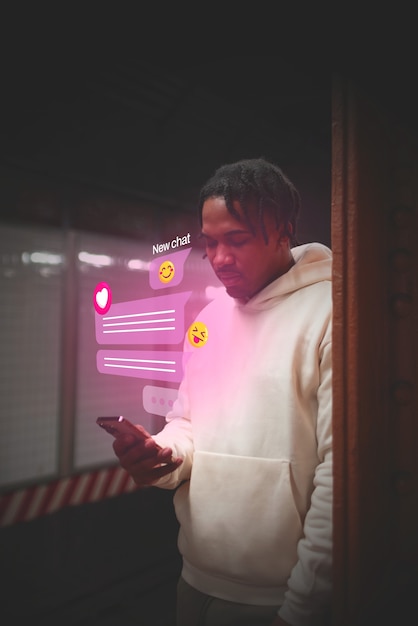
<point>255,183</point>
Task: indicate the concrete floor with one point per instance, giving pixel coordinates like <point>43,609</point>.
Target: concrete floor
<point>110,563</point>
<point>152,607</point>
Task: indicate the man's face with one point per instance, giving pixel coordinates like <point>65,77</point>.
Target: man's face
<point>243,261</point>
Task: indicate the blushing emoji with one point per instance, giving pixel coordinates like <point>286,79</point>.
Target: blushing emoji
<point>197,334</point>
<point>166,271</point>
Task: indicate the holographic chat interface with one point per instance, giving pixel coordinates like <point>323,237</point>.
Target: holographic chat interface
<point>143,338</point>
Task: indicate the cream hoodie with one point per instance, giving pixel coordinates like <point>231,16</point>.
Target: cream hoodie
<point>253,424</point>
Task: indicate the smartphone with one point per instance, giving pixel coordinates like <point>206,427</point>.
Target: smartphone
<point>119,425</point>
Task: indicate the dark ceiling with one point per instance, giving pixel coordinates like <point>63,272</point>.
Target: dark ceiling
<point>154,127</point>
<point>157,129</point>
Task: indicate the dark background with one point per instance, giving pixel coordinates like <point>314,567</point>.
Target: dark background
<point>111,114</point>
<point>109,120</point>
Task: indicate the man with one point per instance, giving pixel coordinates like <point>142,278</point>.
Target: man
<point>247,445</point>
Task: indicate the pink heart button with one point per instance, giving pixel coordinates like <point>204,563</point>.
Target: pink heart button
<point>102,298</point>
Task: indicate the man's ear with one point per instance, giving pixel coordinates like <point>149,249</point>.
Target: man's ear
<point>284,234</point>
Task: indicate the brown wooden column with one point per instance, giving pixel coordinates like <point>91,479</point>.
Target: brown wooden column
<point>374,241</point>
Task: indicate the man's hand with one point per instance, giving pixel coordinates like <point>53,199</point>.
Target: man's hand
<point>143,458</point>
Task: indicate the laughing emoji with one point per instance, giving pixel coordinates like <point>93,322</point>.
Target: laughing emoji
<point>197,334</point>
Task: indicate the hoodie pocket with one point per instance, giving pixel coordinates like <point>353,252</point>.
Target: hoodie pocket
<point>238,518</point>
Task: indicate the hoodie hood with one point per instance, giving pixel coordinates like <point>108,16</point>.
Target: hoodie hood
<point>313,264</point>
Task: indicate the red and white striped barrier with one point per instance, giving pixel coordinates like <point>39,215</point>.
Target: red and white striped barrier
<point>28,503</point>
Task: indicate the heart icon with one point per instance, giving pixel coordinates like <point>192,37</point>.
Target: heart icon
<point>102,298</point>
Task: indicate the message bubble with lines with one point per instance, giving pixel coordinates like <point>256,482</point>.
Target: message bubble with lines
<point>157,320</point>
<point>149,364</point>
<point>178,259</point>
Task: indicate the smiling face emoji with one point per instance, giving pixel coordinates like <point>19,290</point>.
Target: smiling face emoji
<point>197,334</point>
<point>166,271</point>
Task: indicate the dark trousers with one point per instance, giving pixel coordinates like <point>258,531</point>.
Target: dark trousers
<point>197,609</point>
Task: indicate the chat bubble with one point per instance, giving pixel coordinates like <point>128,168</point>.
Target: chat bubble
<point>148,364</point>
<point>177,260</point>
<point>157,320</point>
<point>158,400</point>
